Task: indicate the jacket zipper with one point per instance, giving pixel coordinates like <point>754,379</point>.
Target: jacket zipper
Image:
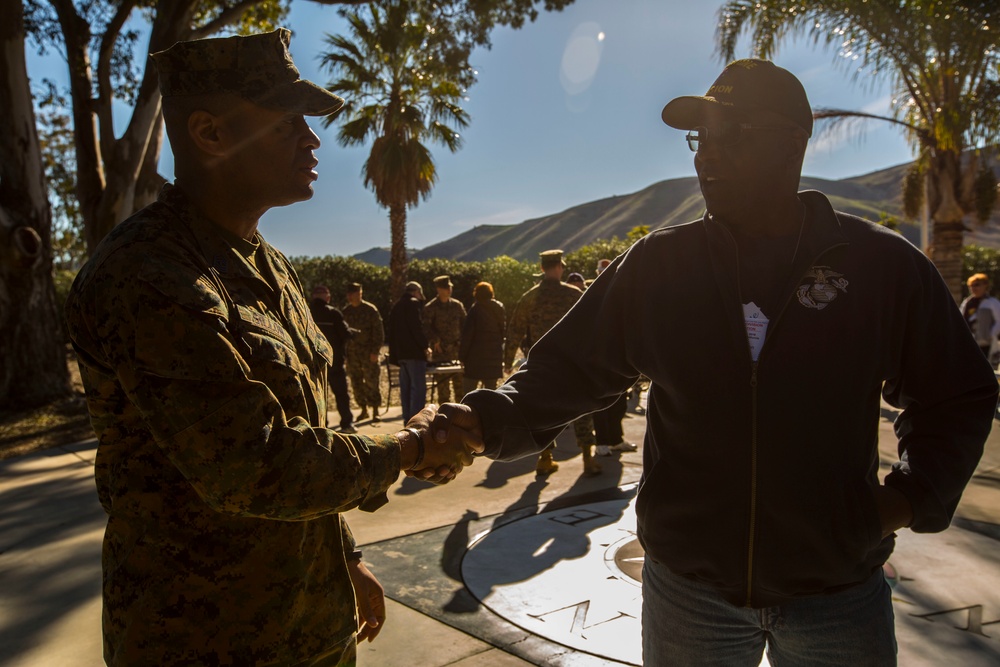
<point>754,365</point>
<point>753,475</point>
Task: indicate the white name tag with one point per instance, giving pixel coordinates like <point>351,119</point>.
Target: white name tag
<point>756,322</point>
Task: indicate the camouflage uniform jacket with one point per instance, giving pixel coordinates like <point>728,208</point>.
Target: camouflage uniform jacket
<point>371,335</point>
<point>443,324</point>
<point>223,488</point>
<point>536,312</point>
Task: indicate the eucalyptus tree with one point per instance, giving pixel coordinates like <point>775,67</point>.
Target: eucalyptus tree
<point>943,59</point>
<point>403,81</point>
<point>114,168</point>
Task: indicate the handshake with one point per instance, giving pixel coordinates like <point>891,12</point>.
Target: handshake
<point>438,442</point>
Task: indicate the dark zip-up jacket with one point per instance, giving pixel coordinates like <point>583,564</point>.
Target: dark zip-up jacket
<point>759,476</point>
<point>406,331</point>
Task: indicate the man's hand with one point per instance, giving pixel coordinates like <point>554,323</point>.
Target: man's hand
<point>447,451</point>
<point>370,599</point>
<point>455,421</point>
<point>894,510</point>
<point>460,417</point>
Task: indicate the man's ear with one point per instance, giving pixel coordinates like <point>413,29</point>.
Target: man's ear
<point>206,132</point>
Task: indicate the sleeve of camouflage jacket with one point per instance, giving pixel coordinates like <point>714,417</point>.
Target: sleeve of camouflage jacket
<point>164,338</point>
<point>377,331</point>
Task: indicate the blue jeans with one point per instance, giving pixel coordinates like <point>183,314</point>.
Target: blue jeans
<point>687,623</point>
<point>412,386</point>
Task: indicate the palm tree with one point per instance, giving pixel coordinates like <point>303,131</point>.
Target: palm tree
<point>943,59</point>
<point>402,82</point>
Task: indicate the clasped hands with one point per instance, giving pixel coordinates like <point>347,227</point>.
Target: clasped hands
<point>451,435</point>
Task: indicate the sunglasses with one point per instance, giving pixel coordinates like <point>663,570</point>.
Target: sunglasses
<point>727,133</point>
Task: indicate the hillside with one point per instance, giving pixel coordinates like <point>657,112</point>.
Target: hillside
<point>663,204</point>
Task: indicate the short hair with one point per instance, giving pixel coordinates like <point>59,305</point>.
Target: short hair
<point>483,292</point>
<point>978,278</point>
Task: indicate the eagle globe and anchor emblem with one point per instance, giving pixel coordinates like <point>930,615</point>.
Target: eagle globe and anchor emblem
<point>821,286</point>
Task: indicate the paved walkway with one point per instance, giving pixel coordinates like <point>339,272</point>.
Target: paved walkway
<point>563,594</point>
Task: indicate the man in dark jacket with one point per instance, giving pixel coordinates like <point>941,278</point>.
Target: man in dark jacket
<point>769,331</point>
<point>331,322</point>
<point>408,348</point>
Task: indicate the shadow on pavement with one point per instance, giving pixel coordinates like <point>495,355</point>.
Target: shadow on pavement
<point>50,554</point>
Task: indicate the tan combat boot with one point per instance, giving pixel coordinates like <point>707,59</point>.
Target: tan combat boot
<point>590,466</point>
<point>546,466</point>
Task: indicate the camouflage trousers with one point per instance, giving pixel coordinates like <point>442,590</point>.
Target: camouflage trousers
<point>583,429</point>
<point>364,375</point>
<point>446,384</point>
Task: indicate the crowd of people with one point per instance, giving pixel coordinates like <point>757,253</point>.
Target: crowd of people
<point>467,350</point>
<point>769,331</point>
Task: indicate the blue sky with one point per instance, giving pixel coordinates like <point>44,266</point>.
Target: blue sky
<point>566,110</point>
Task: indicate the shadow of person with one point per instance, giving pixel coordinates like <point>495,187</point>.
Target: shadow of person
<point>454,547</point>
<point>456,543</point>
<point>529,538</point>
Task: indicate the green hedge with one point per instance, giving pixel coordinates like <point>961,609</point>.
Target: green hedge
<point>509,277</point>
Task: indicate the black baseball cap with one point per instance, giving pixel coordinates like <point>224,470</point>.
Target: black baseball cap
<point>745,85</point>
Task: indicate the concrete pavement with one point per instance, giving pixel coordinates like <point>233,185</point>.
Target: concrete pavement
<point>448,603</point>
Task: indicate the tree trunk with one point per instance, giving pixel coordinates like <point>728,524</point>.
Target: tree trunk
<point>32,363</point>
<point>150,181</point>
<point>947,228</point>
<point>89,168</point>
<point>397,255</point>
<point>947,244</point>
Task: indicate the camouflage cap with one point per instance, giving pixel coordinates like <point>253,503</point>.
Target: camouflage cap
<point>551,258</point>
<point>257,68</point>
<point>443,281</point>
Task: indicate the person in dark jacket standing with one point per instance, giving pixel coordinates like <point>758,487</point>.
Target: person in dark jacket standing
<point>481,349</point>
<point>770,331</point>
<point>331,322</point>
<point>408,348</point>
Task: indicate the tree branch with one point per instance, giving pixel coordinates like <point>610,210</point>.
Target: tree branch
<point>104,93</point>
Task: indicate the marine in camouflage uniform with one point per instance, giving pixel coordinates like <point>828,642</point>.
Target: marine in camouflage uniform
<point>206,383</point>
<point>536,312</point>
<point>443,319</point>
<point>363,350</point>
